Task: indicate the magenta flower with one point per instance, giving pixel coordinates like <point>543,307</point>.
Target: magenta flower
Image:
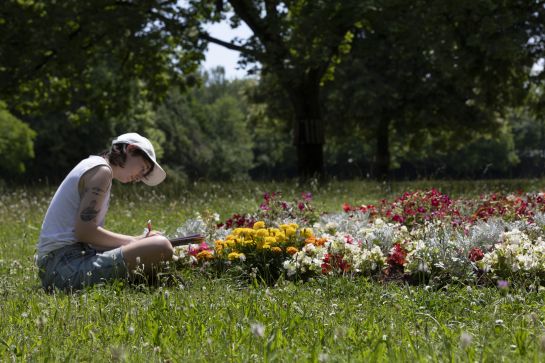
<point>307,196</point>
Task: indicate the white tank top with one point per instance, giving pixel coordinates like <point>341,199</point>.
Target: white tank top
<point>59,226</point>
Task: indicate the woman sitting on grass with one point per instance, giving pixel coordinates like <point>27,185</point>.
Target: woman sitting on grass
<point>74,250</point>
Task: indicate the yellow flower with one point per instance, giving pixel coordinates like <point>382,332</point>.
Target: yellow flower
<point>233,256</point>
<point>290,232</point>
<point>266,246</point>
<point>281,237</point>
<point>262,232</point>
<point>248,242</point>
<point>219,246</point>
<point>294,225</point>
<point>292,250</point>
<point>270,240</point>
<point>306,232</point>
<point>276,249</point>
<point>259,225</point>
<point>284,226</point>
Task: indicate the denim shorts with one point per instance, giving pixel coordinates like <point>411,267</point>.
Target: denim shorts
<point>76,266</point>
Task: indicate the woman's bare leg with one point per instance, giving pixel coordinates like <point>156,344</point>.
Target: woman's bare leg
<point>147,253</point>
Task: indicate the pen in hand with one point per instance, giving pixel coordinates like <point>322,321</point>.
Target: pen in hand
<point>149,227</point>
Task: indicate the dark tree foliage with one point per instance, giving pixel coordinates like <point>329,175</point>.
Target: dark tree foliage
<point>56,52</point>
<point>438,70</point>
<point>75,70</point>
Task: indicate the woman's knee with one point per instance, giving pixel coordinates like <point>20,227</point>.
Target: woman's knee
<point>165,246</point>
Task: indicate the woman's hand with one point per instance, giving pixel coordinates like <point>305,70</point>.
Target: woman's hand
<point>149,234</point>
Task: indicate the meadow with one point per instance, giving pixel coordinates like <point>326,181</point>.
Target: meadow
<point>199,317</point>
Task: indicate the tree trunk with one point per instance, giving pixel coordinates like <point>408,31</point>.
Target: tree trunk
<point>382,161</point>
<point>310,155</point>
<point>308,130</point>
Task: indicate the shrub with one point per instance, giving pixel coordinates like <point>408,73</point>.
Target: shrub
<point>16,143</point>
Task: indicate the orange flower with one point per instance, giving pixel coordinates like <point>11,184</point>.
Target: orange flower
<point>205,255</point>
<point>310,240</point>
<point>315,241</point>
<point>320,241</point>
<point>292,250</point>
<point>276,249</point>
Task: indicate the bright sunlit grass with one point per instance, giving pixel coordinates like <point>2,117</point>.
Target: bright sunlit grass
<point>197,318</point>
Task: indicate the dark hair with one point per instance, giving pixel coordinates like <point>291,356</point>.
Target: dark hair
<point>117,155</point>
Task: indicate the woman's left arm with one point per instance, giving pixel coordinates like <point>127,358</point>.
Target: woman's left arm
<point>94,186</point>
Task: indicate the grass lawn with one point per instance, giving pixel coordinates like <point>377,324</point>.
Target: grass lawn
<point>200,318</point>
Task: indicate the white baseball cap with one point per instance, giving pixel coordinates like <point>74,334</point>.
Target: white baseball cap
<point>157,175</point>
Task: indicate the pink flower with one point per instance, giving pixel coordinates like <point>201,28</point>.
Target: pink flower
<point>307,196</point>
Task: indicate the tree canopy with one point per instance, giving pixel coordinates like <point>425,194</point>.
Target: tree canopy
<point>60,52</point>
<point>400,77</point>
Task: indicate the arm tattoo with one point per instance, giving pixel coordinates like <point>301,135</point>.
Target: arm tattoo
<point>97,191</point>
<point>94,190</point>
<point>89,213</point>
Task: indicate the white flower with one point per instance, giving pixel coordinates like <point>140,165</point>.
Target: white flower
<point>309,248</point>
<point>257,330</point>
<point>465,340</point>
<point>289,265</point>
<point>423,267</point>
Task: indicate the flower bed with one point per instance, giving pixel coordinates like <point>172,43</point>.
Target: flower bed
<point>422,236</point>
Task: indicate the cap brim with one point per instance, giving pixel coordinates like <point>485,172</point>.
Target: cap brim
<point>155,177</point>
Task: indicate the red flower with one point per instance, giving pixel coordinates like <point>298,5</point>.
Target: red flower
<point>326,266</point>
<point>331,262</point>
<point>475,254</point>
<point>397,256</point>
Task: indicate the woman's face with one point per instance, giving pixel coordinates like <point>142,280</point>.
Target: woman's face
<point>135,168</point>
